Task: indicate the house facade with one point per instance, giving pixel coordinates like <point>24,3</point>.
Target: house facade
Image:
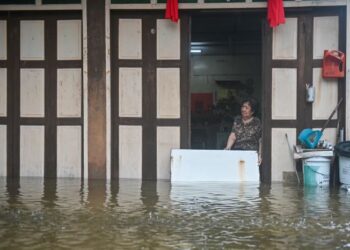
<point>101,89</point>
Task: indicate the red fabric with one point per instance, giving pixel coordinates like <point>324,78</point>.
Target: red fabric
<point>275,12</point>
<point>172,10</point>
<point>201,102</point>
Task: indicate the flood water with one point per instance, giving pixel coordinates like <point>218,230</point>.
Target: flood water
<point>69,214</point>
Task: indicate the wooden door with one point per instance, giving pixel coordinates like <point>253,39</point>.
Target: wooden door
<point>149,93</point>
<point>292,57</point>
<point>41,119</point>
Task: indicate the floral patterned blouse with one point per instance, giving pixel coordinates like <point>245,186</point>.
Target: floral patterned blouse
<point>247,135</point>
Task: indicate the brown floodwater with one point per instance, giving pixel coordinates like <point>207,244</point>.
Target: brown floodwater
<point>71,214</point>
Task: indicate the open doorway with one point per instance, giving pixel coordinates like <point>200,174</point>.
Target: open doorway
<point>225,69</point>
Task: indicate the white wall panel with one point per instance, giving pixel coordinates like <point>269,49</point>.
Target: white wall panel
<point>284,93</point>
<point>130,39</point>
<point>32,40</point>
<point>285,40</point>
<point>326,95</point>
<point>130,92</point>
<point>68,39</point>
<point>3,92</point>
<point>168,40</point>
<point>32,93</point>
<point>32,144</point>
<point>130,152</point>
<point>326,35</point>
<point>69,151</point>
<point>3,40</point>
<point>167,138</point>
<point>69,92</point>
<point>3,150</point>
<point>281,157</point>
<point>168,93</point>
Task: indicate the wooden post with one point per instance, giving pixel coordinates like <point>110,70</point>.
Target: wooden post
<point>96,44</point>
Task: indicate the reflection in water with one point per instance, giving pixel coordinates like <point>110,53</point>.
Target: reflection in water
<point>149,196</point>
<point>48,215</point>
<point>96,194</point>
<point>127,214</point>
<point>12,190</point>
<point>114,190</point>
<point>50,193</point>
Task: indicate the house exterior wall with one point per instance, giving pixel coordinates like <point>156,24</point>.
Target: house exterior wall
<point>94,89</point>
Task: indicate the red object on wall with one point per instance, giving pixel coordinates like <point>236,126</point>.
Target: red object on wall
<point>201,102</point>
<point>333,64</point>
<point>275,12</point>
<point>172,10</point>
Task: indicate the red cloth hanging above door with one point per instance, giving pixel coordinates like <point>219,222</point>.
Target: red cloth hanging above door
<point>172,10</point>
<point>275,12</point>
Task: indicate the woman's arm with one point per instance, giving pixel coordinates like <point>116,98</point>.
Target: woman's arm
<point>260,152</point>
<point>230,141</point>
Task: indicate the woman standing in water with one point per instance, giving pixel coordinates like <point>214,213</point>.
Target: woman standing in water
<point>246,129</point>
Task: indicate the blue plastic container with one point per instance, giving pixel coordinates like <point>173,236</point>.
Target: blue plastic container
<point>309,138</point>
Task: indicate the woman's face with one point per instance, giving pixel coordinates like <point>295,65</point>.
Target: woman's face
<point>246,111</point>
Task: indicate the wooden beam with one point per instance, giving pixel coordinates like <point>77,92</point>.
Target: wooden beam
<point>39,6</point>
<point>248,4</point>
<point>108,90</point>
<point>96,44</point>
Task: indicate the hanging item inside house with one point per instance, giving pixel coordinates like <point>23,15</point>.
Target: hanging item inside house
<point>310,92</point>
<point>275,13</point>
<point>172,10</point>
<point>333,64</point>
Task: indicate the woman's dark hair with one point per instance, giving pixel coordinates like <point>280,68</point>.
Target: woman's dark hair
<point>252,103</point>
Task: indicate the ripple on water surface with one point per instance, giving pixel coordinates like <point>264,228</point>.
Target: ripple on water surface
<point>68,213</point>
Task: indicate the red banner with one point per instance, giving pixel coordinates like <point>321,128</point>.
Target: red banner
<point>275,12</point>
<point>172,10</point>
